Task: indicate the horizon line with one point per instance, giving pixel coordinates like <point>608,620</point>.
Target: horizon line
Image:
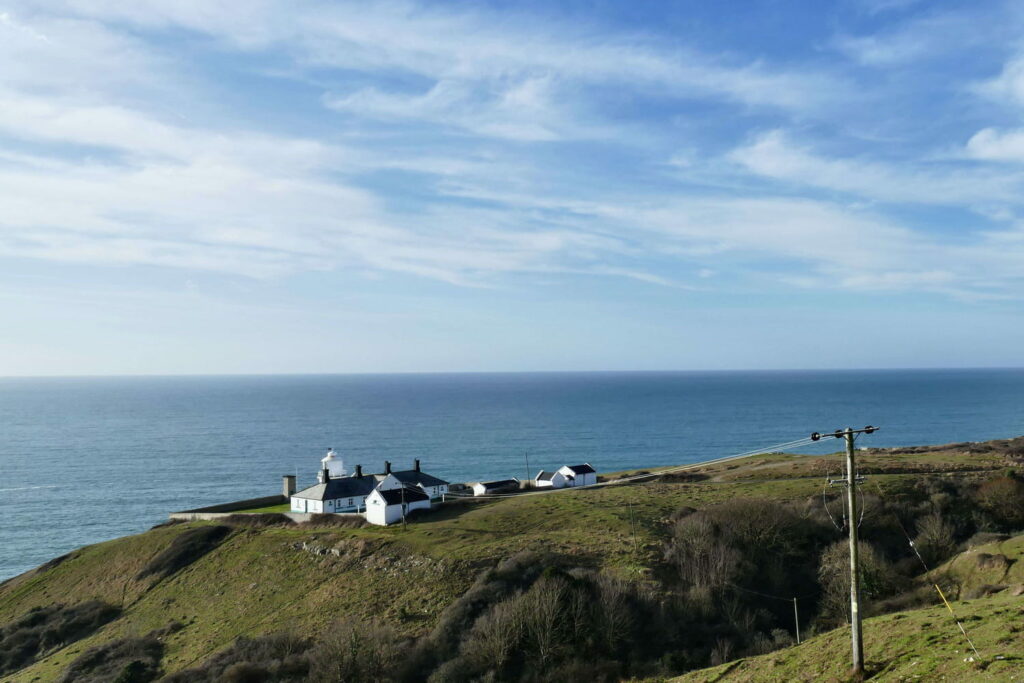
<point>426,373</point>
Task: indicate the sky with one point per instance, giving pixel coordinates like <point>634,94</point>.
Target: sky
<point>194,186</point>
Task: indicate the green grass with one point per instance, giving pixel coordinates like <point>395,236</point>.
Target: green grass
<point>258,581</point>
<point>923,645</point>
<point>282,507</point>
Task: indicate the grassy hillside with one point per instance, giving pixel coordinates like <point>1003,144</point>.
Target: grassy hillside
<point>262,580</point>
<point>919,644</point>
<point>922,644</point>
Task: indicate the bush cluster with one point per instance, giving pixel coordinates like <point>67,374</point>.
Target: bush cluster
<point>44,628</point>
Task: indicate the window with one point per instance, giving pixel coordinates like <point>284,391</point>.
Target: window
<point>350,501</point>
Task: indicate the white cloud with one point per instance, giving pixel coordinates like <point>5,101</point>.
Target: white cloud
<point>1008,86</point>
<point>472,47</point>
<point>774,155</point>
<point>139,184</point>
<point>994,145</point>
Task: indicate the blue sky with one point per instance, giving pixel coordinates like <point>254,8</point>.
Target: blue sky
<point>187,187</point>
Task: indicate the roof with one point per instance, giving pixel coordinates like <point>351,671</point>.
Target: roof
<point>395,496</point>
<point>421,478</point>
<point>582,469</point>
<point>498,484</point>
<point>546,476</point>
<point>339,487</point>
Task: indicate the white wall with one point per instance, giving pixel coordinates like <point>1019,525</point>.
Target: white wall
<point>556,482</point>
<point>389,483</point>
<point>377,512</point>
<point>578,479</point>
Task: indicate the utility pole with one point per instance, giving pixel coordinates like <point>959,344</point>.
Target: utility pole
<point>632,523</point>
<point>403,507</point>
<point>856,641</point>
<point>527,456</point>
<point>796,620</point>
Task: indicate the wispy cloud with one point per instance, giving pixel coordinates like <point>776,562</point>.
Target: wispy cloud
<point>444,143</point>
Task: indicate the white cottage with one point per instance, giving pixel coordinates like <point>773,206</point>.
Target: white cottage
<point>484,488</point>
<point>342,494</point>
<point>550,480</point>
<point>336,491</point>
<point>579,475</point>
<point>388,506</point>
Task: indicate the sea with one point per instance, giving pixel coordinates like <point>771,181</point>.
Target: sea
<point>83,460</point>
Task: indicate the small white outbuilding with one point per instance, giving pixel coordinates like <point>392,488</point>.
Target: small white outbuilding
<point>484,488</point>
<point>549,480</point>
<point>579,475</point>
<point>385,507</point>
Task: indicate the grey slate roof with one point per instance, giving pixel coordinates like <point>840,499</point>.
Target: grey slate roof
<point>394,496</point>
<point>421,478</point>
<point>582,469</point>
<point>488,485</point>
<point>339,487</point>
<point>546,476</point>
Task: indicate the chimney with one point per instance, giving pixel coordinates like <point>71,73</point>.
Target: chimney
<point>387,467</point>
<point>327,475</point>
<point>359,471</point>
<point>416,464</point>
<point>288,485</point>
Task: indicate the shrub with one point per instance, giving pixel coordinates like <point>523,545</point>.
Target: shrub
<point>43,628</point>
<point>934,540</point>
<point>258,521</point>
<point>1003,499</point>
<point>126,660</point>
<point>274,657</point>
<point>877,578</point>
<point>357,651</point>
<point>334,521</point>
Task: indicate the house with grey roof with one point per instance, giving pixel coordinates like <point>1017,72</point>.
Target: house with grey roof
<point>349,493</point>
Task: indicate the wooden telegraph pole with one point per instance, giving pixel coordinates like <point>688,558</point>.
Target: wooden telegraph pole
<point>856,641</point>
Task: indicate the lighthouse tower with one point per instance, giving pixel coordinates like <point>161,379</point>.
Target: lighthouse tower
<point>332,466</point>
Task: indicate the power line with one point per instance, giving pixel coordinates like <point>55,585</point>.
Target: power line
<point>650,475</point>
<point>927,573</point>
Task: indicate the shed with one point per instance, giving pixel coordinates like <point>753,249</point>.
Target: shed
<point>553,480</point>
<point>483,488</point>
<point>385,507</point>
<point>579,475</point>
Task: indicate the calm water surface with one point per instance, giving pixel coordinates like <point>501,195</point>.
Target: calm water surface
<point>88,459</point>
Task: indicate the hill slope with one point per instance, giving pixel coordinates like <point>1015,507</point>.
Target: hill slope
<point>255,580</point>
<point>920,644</point>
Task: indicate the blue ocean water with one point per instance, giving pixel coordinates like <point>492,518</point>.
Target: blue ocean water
<point>88,459</point>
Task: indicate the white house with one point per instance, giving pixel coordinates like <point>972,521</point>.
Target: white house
<point>551,480</point>
<point>337,491</point>
<point>579,475</point>
<point>388,506</point>
<point>343,494</point>
<point>483,488</point>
